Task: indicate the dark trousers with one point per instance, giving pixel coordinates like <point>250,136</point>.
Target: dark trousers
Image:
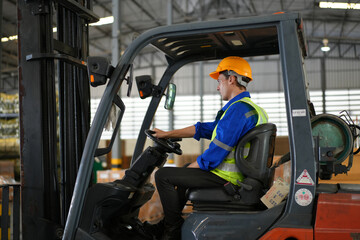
<point>172,183</point>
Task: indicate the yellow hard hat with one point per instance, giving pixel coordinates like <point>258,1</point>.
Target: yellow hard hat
<point>234,63</point>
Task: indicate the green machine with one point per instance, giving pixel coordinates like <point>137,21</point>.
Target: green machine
<point>335,137</point>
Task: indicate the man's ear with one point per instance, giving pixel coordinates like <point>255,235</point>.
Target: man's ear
<point>232,79</point>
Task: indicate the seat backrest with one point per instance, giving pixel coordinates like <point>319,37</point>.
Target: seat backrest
<point>258,163</point>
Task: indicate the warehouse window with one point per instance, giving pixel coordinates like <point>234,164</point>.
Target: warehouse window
<point>187,110</point>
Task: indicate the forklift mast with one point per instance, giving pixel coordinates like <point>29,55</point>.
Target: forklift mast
<point>54,95</point>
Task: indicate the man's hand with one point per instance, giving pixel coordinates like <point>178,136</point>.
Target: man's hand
<point>160,133</point>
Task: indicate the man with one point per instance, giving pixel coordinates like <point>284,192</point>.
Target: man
<point>216,166</point>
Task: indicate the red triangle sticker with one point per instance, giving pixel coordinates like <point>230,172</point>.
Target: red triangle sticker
<point>305,178</point>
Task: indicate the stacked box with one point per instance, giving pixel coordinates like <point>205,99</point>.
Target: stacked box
<point>7,175</point>
<point>185,159</point>
<point>9,147</point>
<point>7,168</point>
<point>9,128</point>
<point>9,103</point>
<point>116,174</point>
<point>9,132</point>
<point>109,175</point>
<point>103,176</point>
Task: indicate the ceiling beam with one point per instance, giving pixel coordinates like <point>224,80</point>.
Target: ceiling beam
<point>179,10</point>
<point>147,13</point>
<point>109,11</point>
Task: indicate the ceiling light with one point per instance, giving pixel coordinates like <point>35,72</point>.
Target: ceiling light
<point>339,5</point>
<point>325,48</point>
<point>103,21</point>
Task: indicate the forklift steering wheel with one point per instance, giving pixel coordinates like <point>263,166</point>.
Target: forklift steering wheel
<point>166,144</point>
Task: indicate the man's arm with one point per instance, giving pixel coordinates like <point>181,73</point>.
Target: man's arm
<point>194,165</point>
<point>178,133</point>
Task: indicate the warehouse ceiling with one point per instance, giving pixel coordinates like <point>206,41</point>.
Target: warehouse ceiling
<point>339,26</point>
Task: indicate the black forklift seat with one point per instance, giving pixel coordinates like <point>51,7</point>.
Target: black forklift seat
<point>256,168</point>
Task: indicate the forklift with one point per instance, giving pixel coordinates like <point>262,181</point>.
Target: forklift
<point>319,145</point>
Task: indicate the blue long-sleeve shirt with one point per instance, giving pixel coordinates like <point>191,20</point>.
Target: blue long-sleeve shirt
<point>230,129</point>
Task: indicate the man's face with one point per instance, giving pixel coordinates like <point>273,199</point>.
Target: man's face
<point>223,87</point>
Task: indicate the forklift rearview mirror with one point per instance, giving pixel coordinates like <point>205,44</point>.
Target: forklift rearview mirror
<point>170,96</point>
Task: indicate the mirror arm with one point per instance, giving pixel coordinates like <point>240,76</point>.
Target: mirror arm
<point>156,91</point>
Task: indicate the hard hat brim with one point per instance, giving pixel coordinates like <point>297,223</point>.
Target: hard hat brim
<point>214,75</point>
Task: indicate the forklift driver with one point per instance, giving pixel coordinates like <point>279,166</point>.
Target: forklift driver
<point>216,166</point>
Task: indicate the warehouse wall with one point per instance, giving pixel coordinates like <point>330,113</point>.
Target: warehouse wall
<point>339,74</point>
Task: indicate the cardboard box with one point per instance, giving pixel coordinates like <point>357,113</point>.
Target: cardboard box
<point>7,168</point>
<point>283,171</point>
<point>276,193</point>
<point>282,145</point>
<point>4,180</point>
<point>7,176</point>
<point>116,174</point>
<point>109,175</point>
<point>103,176</point>
<point>181,160</point>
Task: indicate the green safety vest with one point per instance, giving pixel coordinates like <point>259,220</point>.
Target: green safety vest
<point>227,169</point>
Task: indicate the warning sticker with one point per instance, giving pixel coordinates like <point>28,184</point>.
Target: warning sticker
<point>303,197</point>
<point>305,178</point>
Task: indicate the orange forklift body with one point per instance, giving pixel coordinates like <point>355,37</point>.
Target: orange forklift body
<point>289,233</point>
<point>337,218</point>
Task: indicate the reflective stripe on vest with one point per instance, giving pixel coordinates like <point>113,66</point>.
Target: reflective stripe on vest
<point>227,169</point>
